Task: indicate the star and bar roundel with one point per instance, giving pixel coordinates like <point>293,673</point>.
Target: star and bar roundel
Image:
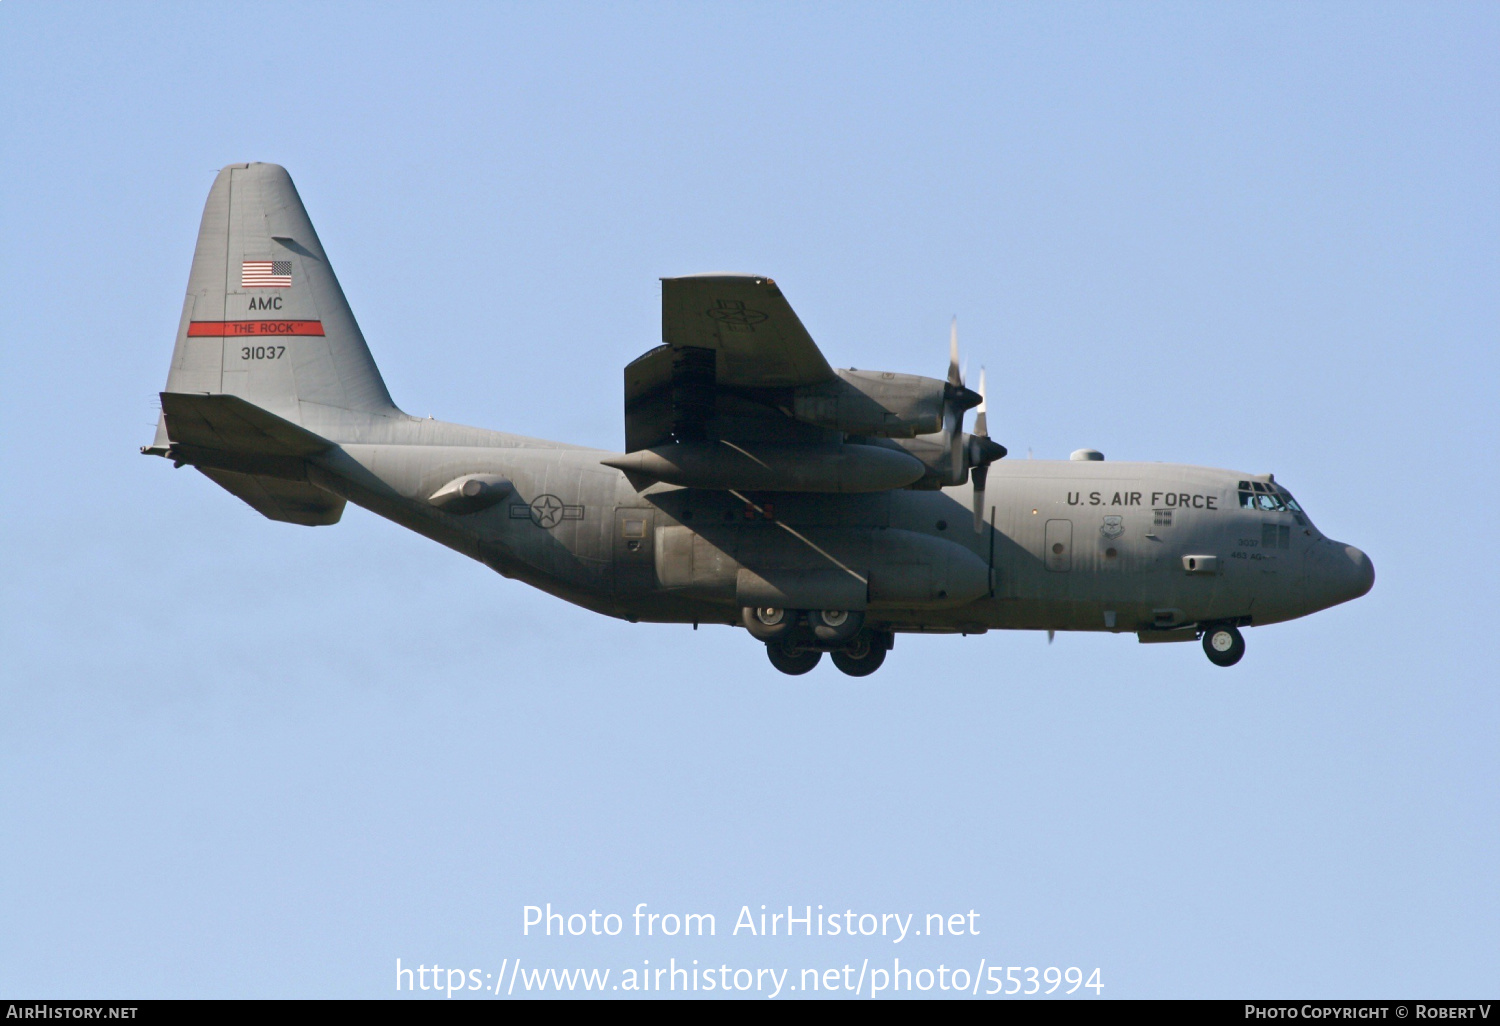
<point>545,511</point>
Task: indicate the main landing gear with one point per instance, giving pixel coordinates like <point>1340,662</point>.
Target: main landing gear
<point>863,656</point>
<point>1224,644</point>
<point>791,658</point>
<point>796,639</point>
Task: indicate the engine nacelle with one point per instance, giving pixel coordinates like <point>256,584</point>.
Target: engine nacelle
<point>875,403</point>
<point>773,468</point>
<point>936,456</point>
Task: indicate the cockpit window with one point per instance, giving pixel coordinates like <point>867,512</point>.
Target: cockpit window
<point>1269,498</point>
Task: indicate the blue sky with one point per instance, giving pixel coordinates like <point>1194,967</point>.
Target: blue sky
<point>240,758</point>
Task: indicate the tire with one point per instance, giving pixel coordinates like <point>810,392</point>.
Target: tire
<point>792,660</point>
<point>755,620</point>
<point>835,626</point>
<point>1223,644</point>
<point>862,656</point>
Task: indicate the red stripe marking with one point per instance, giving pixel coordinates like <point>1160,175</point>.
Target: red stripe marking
<point>225,329</point>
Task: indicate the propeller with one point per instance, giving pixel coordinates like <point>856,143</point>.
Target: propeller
<point>982,452</point>
<point>956,399</point>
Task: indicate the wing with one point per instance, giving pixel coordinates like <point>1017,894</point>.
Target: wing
<point>731,342</point>
<point>759,339</point>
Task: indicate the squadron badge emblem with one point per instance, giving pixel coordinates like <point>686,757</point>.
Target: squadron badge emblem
<point>1113,527</point>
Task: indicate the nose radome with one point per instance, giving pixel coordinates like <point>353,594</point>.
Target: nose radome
<point>1361,570</point>
<point>1336,573</point>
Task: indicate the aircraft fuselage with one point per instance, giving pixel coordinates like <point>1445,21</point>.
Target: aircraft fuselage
<point>1070,545</point>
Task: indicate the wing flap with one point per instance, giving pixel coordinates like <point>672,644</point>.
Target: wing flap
<point>648,399</point>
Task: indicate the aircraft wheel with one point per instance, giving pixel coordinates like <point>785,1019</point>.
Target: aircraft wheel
<point>1224,644</point>
<point>862,656</point>
<point>835,626</point>
<point>766,623</point>
<point>792,659</point>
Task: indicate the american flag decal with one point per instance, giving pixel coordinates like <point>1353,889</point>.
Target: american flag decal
<point>266,274</point>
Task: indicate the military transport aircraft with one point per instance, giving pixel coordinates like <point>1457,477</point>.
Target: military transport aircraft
<point>823,510</point>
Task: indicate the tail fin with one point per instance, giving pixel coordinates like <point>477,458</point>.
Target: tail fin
<point>269,363</point>
<point>265,318</point>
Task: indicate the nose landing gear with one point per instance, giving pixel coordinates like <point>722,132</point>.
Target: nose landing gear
<point>1223,644</point>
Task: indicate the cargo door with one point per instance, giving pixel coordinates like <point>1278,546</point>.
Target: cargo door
<point>1059,546</point>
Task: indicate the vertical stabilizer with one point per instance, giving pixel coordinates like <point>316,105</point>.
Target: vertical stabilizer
<point>265,319</point>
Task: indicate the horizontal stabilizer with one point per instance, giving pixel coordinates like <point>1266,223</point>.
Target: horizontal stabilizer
<point>293,502</point>
<point>227,423</point>
<point>248,452</point>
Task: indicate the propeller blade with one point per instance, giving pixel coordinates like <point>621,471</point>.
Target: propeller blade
<point>954,378</point>
<point>981,421</point>
<point>981,475</point>
<point>956,447</point>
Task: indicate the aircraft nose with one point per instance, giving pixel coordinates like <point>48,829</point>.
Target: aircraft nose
<point>1361,572</point>
<point>1337,573</point>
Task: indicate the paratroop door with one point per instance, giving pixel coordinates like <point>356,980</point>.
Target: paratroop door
<point>634,555</point>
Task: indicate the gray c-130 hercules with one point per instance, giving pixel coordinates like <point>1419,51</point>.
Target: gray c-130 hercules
<point>822,510</point>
